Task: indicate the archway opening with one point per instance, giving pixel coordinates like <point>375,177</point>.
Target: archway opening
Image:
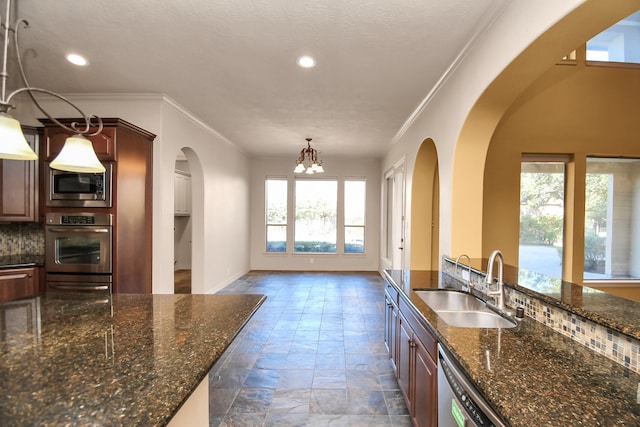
<point>425,209</point>
<point>182,225</point>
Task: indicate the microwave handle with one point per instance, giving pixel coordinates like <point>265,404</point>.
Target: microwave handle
<point>79,230</point>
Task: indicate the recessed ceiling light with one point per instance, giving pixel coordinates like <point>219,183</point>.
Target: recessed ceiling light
<point>77,59</point>
<point>306,62</point>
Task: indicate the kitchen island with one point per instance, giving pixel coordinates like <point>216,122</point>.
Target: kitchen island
<point>91,359</point>
<point>530,374</point>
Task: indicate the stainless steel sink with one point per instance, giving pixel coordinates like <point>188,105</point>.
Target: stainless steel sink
<point>463,310</point>
<point>448,300</point>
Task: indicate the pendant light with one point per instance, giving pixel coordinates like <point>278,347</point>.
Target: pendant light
<point>77,155</point>
<point>13,144</point>
<point>308,161</point>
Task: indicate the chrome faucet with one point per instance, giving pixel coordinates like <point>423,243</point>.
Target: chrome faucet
<point>469,285</point>
<point>498,294</point>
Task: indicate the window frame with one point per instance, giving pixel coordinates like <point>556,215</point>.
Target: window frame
<point>363,226</point>
<point>266,214</point>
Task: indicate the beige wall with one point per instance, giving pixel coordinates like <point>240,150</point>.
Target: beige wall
<point>578,110</point>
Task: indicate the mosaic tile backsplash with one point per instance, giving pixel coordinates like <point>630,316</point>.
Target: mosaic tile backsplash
<point>21,238</point>
<point>621,348</point>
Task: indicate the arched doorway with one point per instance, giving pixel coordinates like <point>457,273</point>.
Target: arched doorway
<point>425,209</point>
<point>182,225</point>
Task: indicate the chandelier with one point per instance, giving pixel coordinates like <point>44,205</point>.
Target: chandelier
<point>77,154</point>
<point>308,161</point>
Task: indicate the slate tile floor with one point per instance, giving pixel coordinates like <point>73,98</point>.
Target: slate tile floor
<point>313,355</point>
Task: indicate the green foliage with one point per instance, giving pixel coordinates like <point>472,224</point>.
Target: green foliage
<point>594,253</point>
<point>277,213</point>
<point>540,189</point>
<point>277,246</point>
<point>315,246</point>
<point>540,230</point>
<point>597,185</point>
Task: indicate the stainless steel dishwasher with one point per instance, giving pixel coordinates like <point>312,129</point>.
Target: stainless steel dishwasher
<point>459,403</point>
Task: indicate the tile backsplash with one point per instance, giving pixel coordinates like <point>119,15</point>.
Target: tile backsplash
<point>621,348</point>
<point>21,238</point>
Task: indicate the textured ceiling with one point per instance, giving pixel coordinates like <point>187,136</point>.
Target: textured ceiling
<point>232,63</point>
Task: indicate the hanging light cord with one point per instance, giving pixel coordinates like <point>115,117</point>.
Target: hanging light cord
<point>5,103</point>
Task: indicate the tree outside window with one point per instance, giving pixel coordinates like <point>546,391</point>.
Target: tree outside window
<point>354,209</point>
<point>316,216</point>
<point>276,221</point>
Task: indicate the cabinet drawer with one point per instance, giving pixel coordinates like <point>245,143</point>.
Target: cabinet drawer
<point>427,339</point>
<point>392,293</point>
<point>104,144</point>
<point>18,283</point>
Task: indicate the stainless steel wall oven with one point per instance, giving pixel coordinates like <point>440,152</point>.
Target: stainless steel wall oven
<point>78,251</point>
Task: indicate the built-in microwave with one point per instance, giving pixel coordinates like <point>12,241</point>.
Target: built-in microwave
<point>79,189</point>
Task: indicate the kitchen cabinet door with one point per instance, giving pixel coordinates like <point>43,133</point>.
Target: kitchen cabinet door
<point>416,370</point>
<point>18,283</point>
<point>182,194</point>
<point>391,328</point>
<point>19,185</point>
<point>425,388</point>
<point>404,360</point>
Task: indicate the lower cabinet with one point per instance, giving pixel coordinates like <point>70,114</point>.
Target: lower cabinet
<point>425,387</point>
<point>390,322</point>
<point>18,283</point>
<point>414,353</point>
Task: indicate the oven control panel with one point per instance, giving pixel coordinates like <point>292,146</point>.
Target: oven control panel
<point>59,218</point>
<point>78,220</point>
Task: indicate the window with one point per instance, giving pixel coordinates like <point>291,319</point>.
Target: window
<point>612,213</point>
<point>542,216</point>
<point>276,207</point>
<point>316,215</point>
<point>354,207</point>
<point>618,43</point>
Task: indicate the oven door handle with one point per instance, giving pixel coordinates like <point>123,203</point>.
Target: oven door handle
<point>79,230</point>
<point>79,287</point>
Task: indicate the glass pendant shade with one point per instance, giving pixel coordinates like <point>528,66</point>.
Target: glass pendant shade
<point>13,145</point>
<point>77,155</point>
<point>299,168</point>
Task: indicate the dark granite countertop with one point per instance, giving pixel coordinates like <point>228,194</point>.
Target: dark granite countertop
<point>532,375</point>
<point>617,313</point>
<point>68,359</point>
<point>21,260</point>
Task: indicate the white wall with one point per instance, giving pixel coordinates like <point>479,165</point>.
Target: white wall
<point>220,202</point>
<point>339,168</point>
<point>220,178</point>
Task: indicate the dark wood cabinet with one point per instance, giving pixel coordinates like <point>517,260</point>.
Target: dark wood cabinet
<point>425,387</point>
<point>129,150</point>
<point>18,283</point>
<point>104,144</point>
<point>19,185</point>
<point>413,349</point>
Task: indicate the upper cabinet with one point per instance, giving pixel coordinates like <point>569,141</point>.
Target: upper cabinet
<point>182,194</point>
<point>104,144</point>
<point>19,185</point>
